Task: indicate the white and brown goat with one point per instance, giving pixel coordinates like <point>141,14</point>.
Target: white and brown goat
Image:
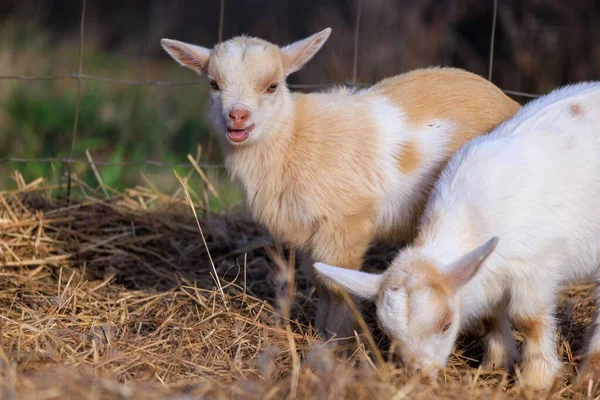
<point>513,217</point>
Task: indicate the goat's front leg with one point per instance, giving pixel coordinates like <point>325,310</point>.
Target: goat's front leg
<point>500,345</point>
<point>531,309</point>
<point>345,246</point>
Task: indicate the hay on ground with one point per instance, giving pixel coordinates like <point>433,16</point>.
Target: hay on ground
<point>117,299</point>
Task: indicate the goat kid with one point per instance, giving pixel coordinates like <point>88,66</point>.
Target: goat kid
<point>513,216</point>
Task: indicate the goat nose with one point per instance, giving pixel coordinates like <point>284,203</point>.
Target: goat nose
<point>239,114</point>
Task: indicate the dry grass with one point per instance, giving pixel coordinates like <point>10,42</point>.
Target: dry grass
<point>115,298</point>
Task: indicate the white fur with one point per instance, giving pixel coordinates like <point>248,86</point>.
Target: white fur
<point>534,182</point>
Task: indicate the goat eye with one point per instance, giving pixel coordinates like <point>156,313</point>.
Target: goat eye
<point>214,85</point>
<point>272,88</point>
<point>446,327</point>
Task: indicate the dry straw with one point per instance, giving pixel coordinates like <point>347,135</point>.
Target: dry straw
<point>115,297</point>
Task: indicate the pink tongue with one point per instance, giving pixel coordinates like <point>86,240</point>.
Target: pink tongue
<point>238,136</point>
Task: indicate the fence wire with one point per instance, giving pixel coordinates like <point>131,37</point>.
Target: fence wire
<point>68,160</point>
<point>79,77</point>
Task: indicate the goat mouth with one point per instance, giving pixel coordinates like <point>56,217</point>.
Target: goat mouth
<point>239,135</point>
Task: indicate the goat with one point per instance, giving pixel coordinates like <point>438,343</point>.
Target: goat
<point>513,216</point>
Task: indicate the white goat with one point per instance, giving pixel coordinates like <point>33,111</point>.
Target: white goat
<point>331,172</point>
<point>531,187</point>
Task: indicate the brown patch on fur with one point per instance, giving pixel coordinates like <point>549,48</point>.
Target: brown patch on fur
<point>431,94</point>
<point>576,109</point>
<point>531,328</point>
<point>410,157</point>
<point>431,279</point>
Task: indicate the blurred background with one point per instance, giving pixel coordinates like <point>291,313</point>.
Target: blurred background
<point>539,45</point>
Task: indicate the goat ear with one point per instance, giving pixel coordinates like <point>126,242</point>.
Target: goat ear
<point>187,55</point>
<point>462,270</point>
<point>361,284</point>
<point>299,53</point>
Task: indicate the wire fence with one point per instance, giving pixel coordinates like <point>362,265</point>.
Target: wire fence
<point>80,76</point>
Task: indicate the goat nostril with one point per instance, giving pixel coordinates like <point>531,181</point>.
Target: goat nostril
<point>239,115</point>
